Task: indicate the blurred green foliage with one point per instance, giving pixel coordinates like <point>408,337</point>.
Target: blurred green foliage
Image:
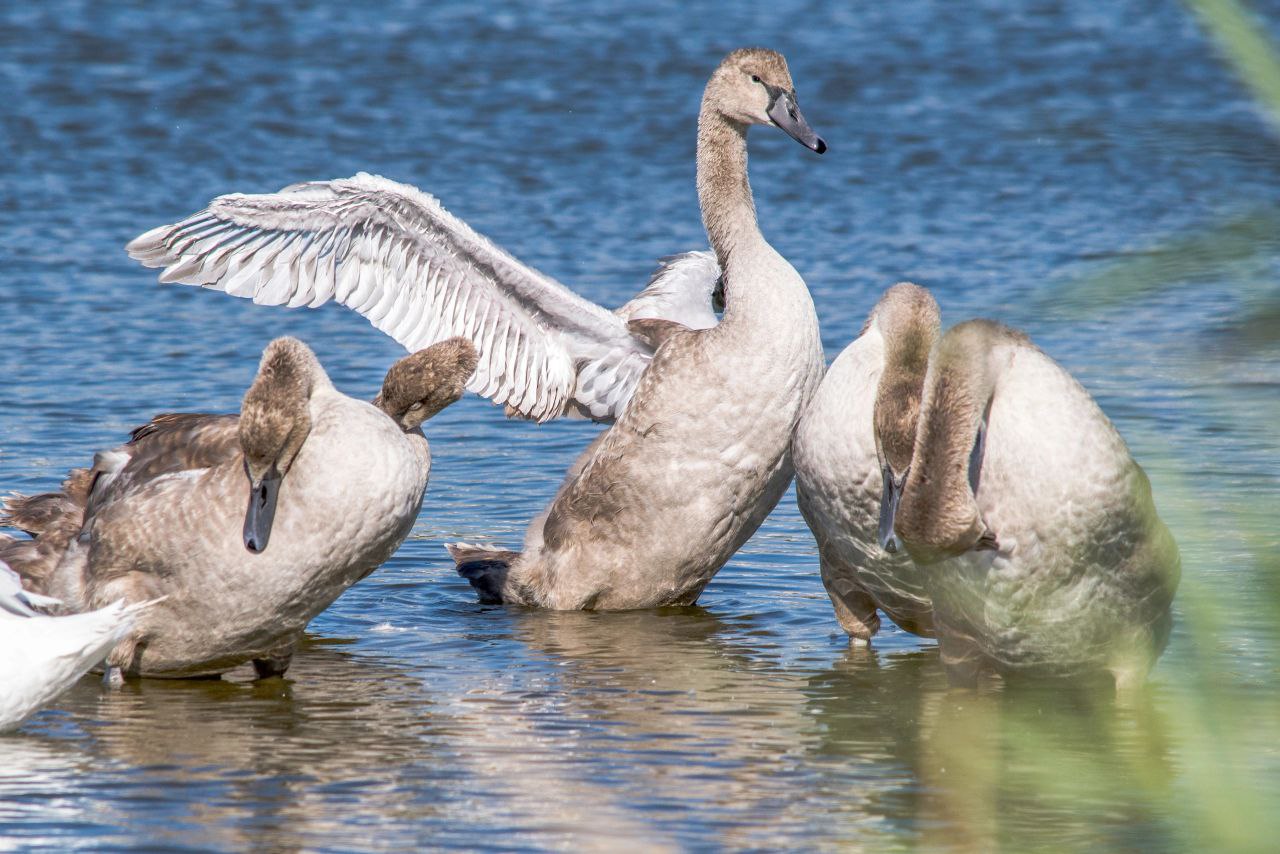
<point>1195,764</point>
<point>1235,250</point>
<point>1243,41</point>
<point>1238,249</point>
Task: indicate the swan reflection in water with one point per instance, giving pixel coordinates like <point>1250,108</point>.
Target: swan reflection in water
<point>594,729</point>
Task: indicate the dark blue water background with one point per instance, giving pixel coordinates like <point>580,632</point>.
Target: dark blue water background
<point>997,152</point>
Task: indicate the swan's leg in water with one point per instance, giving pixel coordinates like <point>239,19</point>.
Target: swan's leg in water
<point>1130,681</point>
<point>277,661</point>
<point>1132,659</point>
<point>855,609</point>
<point>960,657</point>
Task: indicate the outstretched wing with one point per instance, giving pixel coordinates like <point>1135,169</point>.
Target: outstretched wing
<point>418,273</point>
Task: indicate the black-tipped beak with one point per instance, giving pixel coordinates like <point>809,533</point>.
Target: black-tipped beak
<point>784,113</point>
<point>889,497</point>
<point>262,510</point>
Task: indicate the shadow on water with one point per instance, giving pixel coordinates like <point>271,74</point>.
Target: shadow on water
<point>685,713</point>
<point>623,718</point>
<point>1039,766</point>
<point>663,712</point>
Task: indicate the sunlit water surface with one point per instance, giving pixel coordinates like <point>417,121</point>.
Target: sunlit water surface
<point>995,152</point>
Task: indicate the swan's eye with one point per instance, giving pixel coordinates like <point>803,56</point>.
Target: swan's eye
<point>755,78</point>
<point>416,407</point>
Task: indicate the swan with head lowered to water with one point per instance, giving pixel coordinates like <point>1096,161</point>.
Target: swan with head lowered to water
<point>700,451</point>
<point>1042,548</point>
<point>334,486</point>
<point>971,488</point>
<point>856,437</point>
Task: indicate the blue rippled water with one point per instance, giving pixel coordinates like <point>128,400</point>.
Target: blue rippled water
<point>1022,160</point>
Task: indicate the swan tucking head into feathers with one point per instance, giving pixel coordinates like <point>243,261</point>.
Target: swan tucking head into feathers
<point>423,383</point>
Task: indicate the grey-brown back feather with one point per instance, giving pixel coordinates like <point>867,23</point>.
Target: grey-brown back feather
<point>167,444</point>
<point>51,519</point>
<point>910,321</point>
<point>655,330</point>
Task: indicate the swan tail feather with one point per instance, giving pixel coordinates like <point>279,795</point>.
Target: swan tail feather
<point>38,514</point>
<point>51,519</point>
<point>485,567</point>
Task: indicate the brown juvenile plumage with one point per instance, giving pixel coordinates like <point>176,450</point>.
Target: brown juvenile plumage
<point>170,442</point>
<point>41,514</point>
<point>909,320</point>
<point>163,515</point>
<point>938,516</point>
<point>657,505</point>
<point>184,441</point>
<point>423,383</point>
<point>51,519</point>
<point>655,330</point>
<point>731,101</point>
<point>274,417</point>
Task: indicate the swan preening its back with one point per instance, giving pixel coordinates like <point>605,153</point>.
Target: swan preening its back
<point>333,486</point>
<point>1031,539</point>
<point>962,483</point>
<point>1044,549</point>
<point>700,451</point>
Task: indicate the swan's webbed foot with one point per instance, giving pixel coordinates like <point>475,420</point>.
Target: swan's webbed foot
<point>276,663</point>
<point>486,568</point>
<point>112,677</point>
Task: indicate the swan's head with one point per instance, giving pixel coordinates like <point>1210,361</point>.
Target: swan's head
<point>423,383</point>
<point>909,322</point>
<point>275,420</point>
<point>752,86</point>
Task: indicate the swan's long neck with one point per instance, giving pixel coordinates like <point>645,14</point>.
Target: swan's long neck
<point>897,403</point>
<point>938,514</point>
<point>728,211</point>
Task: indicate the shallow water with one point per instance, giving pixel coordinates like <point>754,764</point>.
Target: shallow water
<point>1025,161</point>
